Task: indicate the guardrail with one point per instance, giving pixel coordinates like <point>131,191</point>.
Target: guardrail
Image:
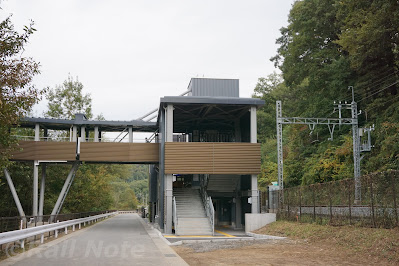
<point>18,222</point>
<point>21,235</point>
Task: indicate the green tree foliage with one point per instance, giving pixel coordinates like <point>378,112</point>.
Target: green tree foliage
<point>370,37</point>
<point>310,60</point>
<point>96,186</point>
<point>18,94</point>
<point>328,46</point>
<point>68,99</point>
<point>136,182</point>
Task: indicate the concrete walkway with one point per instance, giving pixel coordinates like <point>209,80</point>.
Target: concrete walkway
<point>122,240</point>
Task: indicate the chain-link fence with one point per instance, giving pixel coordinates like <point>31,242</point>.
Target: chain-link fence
<point>334,202</point>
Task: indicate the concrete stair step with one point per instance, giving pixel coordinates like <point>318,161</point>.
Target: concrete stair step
<point>191,213</point>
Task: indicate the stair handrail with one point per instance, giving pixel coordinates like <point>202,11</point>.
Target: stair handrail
<point>211,214</point>
<point>210,211</point>
<point>174,213</point>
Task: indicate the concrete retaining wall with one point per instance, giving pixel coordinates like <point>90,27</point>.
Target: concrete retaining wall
<point>254,221</point>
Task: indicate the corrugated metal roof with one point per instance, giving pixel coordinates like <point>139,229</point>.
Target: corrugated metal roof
<point>214,87</point>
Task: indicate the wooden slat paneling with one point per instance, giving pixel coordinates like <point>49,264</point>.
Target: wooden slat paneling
<point>43,150</point>
<point>89,151</point>
<point>119,152</point>
<point>212,158</point>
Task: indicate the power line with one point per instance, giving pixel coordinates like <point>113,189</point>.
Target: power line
<point>379,91</point>
<point>376,83</point>
<point>390,100</point>
<point>381,80</point>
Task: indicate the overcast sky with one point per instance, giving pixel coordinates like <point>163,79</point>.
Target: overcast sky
<point>129,53</point>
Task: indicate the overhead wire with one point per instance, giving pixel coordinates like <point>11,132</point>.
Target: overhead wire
<point>374,85</point>
<point>376,92</point>
<point>390,100</point>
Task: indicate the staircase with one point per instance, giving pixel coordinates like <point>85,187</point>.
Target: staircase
<point>191,216</point>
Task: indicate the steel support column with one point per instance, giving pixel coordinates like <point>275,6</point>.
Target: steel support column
<point>74,133</point>
<point>280,167</point>
<point>356,153</point>
<point>96,134</point>
<point>36,176</point>
<point>83,134</point>
<point>169,177</point>
<point>130,134</point>
<point>42,187</point>
<point>254,178</point>
<point>14,193</point>
<point>161,174</point>
<point>238,206</point>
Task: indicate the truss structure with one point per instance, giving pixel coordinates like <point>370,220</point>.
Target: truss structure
<point>331,123</point>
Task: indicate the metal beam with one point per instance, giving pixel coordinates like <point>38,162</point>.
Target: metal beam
<point>14,193</point>
<point>65,189</point>
<point>315,121</point>
<point>356,154</point>
<point>147,114</point>
<point>42,187</point>
<point>169,178</point>
<point>279,145</point>
<point>323,121</point>
<point>35,187</point>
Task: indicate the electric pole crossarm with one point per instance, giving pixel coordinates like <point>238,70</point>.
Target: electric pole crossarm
<point>316,121</point>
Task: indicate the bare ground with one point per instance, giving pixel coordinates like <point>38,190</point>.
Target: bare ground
<point>326,249</point>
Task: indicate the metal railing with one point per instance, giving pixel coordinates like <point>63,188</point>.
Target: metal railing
<point>210,211</point>
<point>23,234</point>
<point>68,139</point>
<point>174,214</point>
<point>18,222</point>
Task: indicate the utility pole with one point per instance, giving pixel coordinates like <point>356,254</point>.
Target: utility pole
<point>280,150</point>
<point>331,123</point>
<point>356,153</point>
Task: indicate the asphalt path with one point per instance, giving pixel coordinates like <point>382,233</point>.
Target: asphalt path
<point>122,240</point>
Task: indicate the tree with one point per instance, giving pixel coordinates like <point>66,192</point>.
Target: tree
<point>370,37</point>
<point>68,99</point>
<point>315,68</point>
<point>18,94</point>
<point>327,46</point>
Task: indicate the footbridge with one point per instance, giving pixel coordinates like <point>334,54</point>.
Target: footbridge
<point>202,151</point>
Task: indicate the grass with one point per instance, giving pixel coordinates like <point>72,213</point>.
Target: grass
<point>377,242</point>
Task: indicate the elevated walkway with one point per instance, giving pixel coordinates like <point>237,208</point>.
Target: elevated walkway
<point>104,152</point>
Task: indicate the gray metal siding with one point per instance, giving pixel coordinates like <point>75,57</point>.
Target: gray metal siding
<point>214,87</point>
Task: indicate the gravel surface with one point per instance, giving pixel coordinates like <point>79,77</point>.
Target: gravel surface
<point>230,244</point>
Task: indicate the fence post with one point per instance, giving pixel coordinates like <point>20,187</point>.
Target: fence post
<point>330,200</point>
<point>314,203</point>
<point>395,207</point>
<point>300,203</point>
<point>349,199</point>
<point>288,203</point>
<point>372,200</point>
